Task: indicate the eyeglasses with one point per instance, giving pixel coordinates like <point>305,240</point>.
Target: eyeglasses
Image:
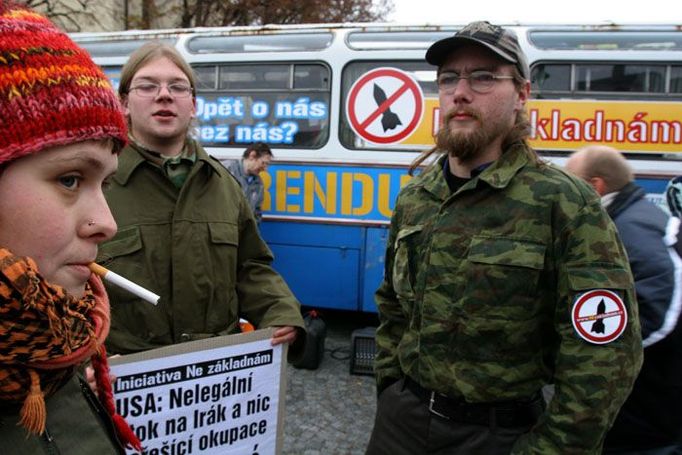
<point>152,90</point>
<point>479,81</point>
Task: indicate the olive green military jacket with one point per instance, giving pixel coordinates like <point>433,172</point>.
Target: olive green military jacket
<point>197,247</point>
<point>479,290</point>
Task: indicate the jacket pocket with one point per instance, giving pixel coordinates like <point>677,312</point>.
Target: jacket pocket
<point>501,312</point>
<point>224,233</point>
<point>403,275</point>
<point>503,276</point>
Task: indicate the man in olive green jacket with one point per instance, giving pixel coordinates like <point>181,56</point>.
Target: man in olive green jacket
<point>185,229</point>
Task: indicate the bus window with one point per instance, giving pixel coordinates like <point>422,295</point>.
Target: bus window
<point>311,77</point>
<point>207,77</point>
<point>283,104</point>
<point>423,73</point>
<point>606,40</point>
<point>254,77</point>
<point>620,78</point>
<point>115,48</point>
<point>676,79</point>
<point>366,40</point>
<point>260,43</point>
<point>551,77</point>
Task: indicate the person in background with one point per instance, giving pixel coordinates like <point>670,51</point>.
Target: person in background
<point>61,127</point>
<point>673,196</point>
<point>503,274</point>
<point>255,160</point>
<point>650,421</point>
<point>186,232</point>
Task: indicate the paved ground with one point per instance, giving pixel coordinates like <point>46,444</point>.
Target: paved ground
<point>328,410</point>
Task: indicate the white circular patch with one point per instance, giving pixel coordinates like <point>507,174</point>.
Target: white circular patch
<point>599,316</point>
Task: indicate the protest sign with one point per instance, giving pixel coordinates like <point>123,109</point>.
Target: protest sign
<point>215,396</point>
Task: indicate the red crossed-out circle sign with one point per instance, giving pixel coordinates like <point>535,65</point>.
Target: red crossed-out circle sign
<point>380,93</point>
<point>599,316</point>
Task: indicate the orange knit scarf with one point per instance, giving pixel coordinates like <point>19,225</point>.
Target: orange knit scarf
<point>45,334</point>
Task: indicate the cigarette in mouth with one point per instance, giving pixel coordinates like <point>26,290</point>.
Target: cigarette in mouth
<point>118,280</point>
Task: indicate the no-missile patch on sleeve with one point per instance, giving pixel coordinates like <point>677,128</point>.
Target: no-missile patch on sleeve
<point>599,316</point>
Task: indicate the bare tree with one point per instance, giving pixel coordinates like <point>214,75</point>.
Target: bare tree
<point>80,15</point>
<point>68,14</point>
<point>194,13</point>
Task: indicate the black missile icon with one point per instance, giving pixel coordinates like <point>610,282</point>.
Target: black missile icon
<point>389,120</point>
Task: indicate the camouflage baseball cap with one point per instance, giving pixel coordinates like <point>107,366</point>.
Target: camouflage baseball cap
<point>501,41</point>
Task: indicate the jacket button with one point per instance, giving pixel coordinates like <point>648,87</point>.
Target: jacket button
<point>185,337</point>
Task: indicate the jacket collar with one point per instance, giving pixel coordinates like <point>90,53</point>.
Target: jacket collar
<point>627,195</point>
<point>239,169</point>
<point>131,157</point>
<point>498,175</point>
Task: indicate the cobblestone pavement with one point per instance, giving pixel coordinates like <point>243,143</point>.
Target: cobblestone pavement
<point>328,410</point>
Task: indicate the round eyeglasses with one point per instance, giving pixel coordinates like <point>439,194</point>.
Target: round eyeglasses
<point>479,81</point>
<point>152,90</point>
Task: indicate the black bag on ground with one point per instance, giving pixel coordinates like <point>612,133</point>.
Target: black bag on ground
<point>313,351</point>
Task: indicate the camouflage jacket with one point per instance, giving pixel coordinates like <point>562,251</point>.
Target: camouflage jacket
<point>479,290</point>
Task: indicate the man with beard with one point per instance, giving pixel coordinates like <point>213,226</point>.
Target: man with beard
<point>496,266</point>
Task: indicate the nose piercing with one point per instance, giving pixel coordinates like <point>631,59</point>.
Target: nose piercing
<point>91,222</point>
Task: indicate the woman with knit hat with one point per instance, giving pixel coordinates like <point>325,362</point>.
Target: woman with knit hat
<point>60,131</point>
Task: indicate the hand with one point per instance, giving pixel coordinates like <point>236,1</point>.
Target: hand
<point>286,334</point>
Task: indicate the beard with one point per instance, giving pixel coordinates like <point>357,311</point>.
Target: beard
<point>466,146</point>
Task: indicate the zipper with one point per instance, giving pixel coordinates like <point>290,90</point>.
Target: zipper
<point>50,446</point>
<point>105,420</point>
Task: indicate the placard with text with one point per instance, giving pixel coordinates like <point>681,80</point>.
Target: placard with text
<point>215,396</point>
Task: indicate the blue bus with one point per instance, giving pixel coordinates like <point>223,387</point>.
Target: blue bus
<point>347,107</point>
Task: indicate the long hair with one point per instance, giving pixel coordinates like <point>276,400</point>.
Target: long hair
<point>518,134</point>
<point>144,55</point>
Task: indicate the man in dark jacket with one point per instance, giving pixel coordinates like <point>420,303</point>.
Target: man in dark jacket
<point>255,160</point>
<point>650,421</point>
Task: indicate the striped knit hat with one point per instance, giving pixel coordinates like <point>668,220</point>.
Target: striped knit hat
<point>51,92</point>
